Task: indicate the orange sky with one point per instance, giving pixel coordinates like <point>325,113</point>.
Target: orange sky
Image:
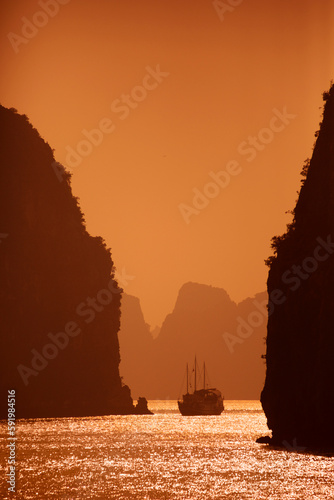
<point>223,75</point>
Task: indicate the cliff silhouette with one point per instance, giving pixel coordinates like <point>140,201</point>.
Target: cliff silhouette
<point>201,317</point>
<point>59,301</point>
<point>298,395</point>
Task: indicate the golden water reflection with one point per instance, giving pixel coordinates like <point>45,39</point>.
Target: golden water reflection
<point>164,456</point>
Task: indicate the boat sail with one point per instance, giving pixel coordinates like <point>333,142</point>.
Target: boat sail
<point>206,401</point>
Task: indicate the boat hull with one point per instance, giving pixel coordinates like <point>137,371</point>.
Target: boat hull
<point>204,402</point>
<point>187,411</point>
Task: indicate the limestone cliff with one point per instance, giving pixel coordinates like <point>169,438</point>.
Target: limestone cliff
<point>298,396</point>
<point>59,301</point>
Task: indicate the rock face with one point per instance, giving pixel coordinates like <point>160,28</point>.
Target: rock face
<point>59,302</point>
<point>298,396</point>
<point>141,407</point>
<point>205,322</point>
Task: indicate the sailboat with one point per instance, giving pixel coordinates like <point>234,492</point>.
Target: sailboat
<point>206,401</point>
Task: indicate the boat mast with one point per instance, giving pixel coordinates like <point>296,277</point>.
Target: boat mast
<point>204,376</point>
<point>187,380</point>
<point>195,373</point>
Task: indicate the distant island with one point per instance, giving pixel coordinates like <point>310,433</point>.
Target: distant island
<point>59,300</point>
<point>205,321</point>
<point>298,395</point>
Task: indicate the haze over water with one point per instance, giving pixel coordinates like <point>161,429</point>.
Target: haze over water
<point>185,127</point>
<point>230,71</point>
<point>165,456</point>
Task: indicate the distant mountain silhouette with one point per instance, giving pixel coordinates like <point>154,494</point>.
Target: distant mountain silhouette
<point>136,346</point>
<point>298,396</point>
<point>206,322</point>
<point>59,302</point>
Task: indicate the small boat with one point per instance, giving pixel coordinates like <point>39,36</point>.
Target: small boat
<point>206,401</point>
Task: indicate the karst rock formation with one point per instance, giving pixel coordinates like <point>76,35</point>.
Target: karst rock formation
<point>59,300</point>
<point>298,395</point>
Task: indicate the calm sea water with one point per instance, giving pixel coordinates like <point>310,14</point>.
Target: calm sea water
<point>165,456</point>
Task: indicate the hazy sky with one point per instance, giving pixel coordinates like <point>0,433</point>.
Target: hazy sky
<point>191,96</point>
